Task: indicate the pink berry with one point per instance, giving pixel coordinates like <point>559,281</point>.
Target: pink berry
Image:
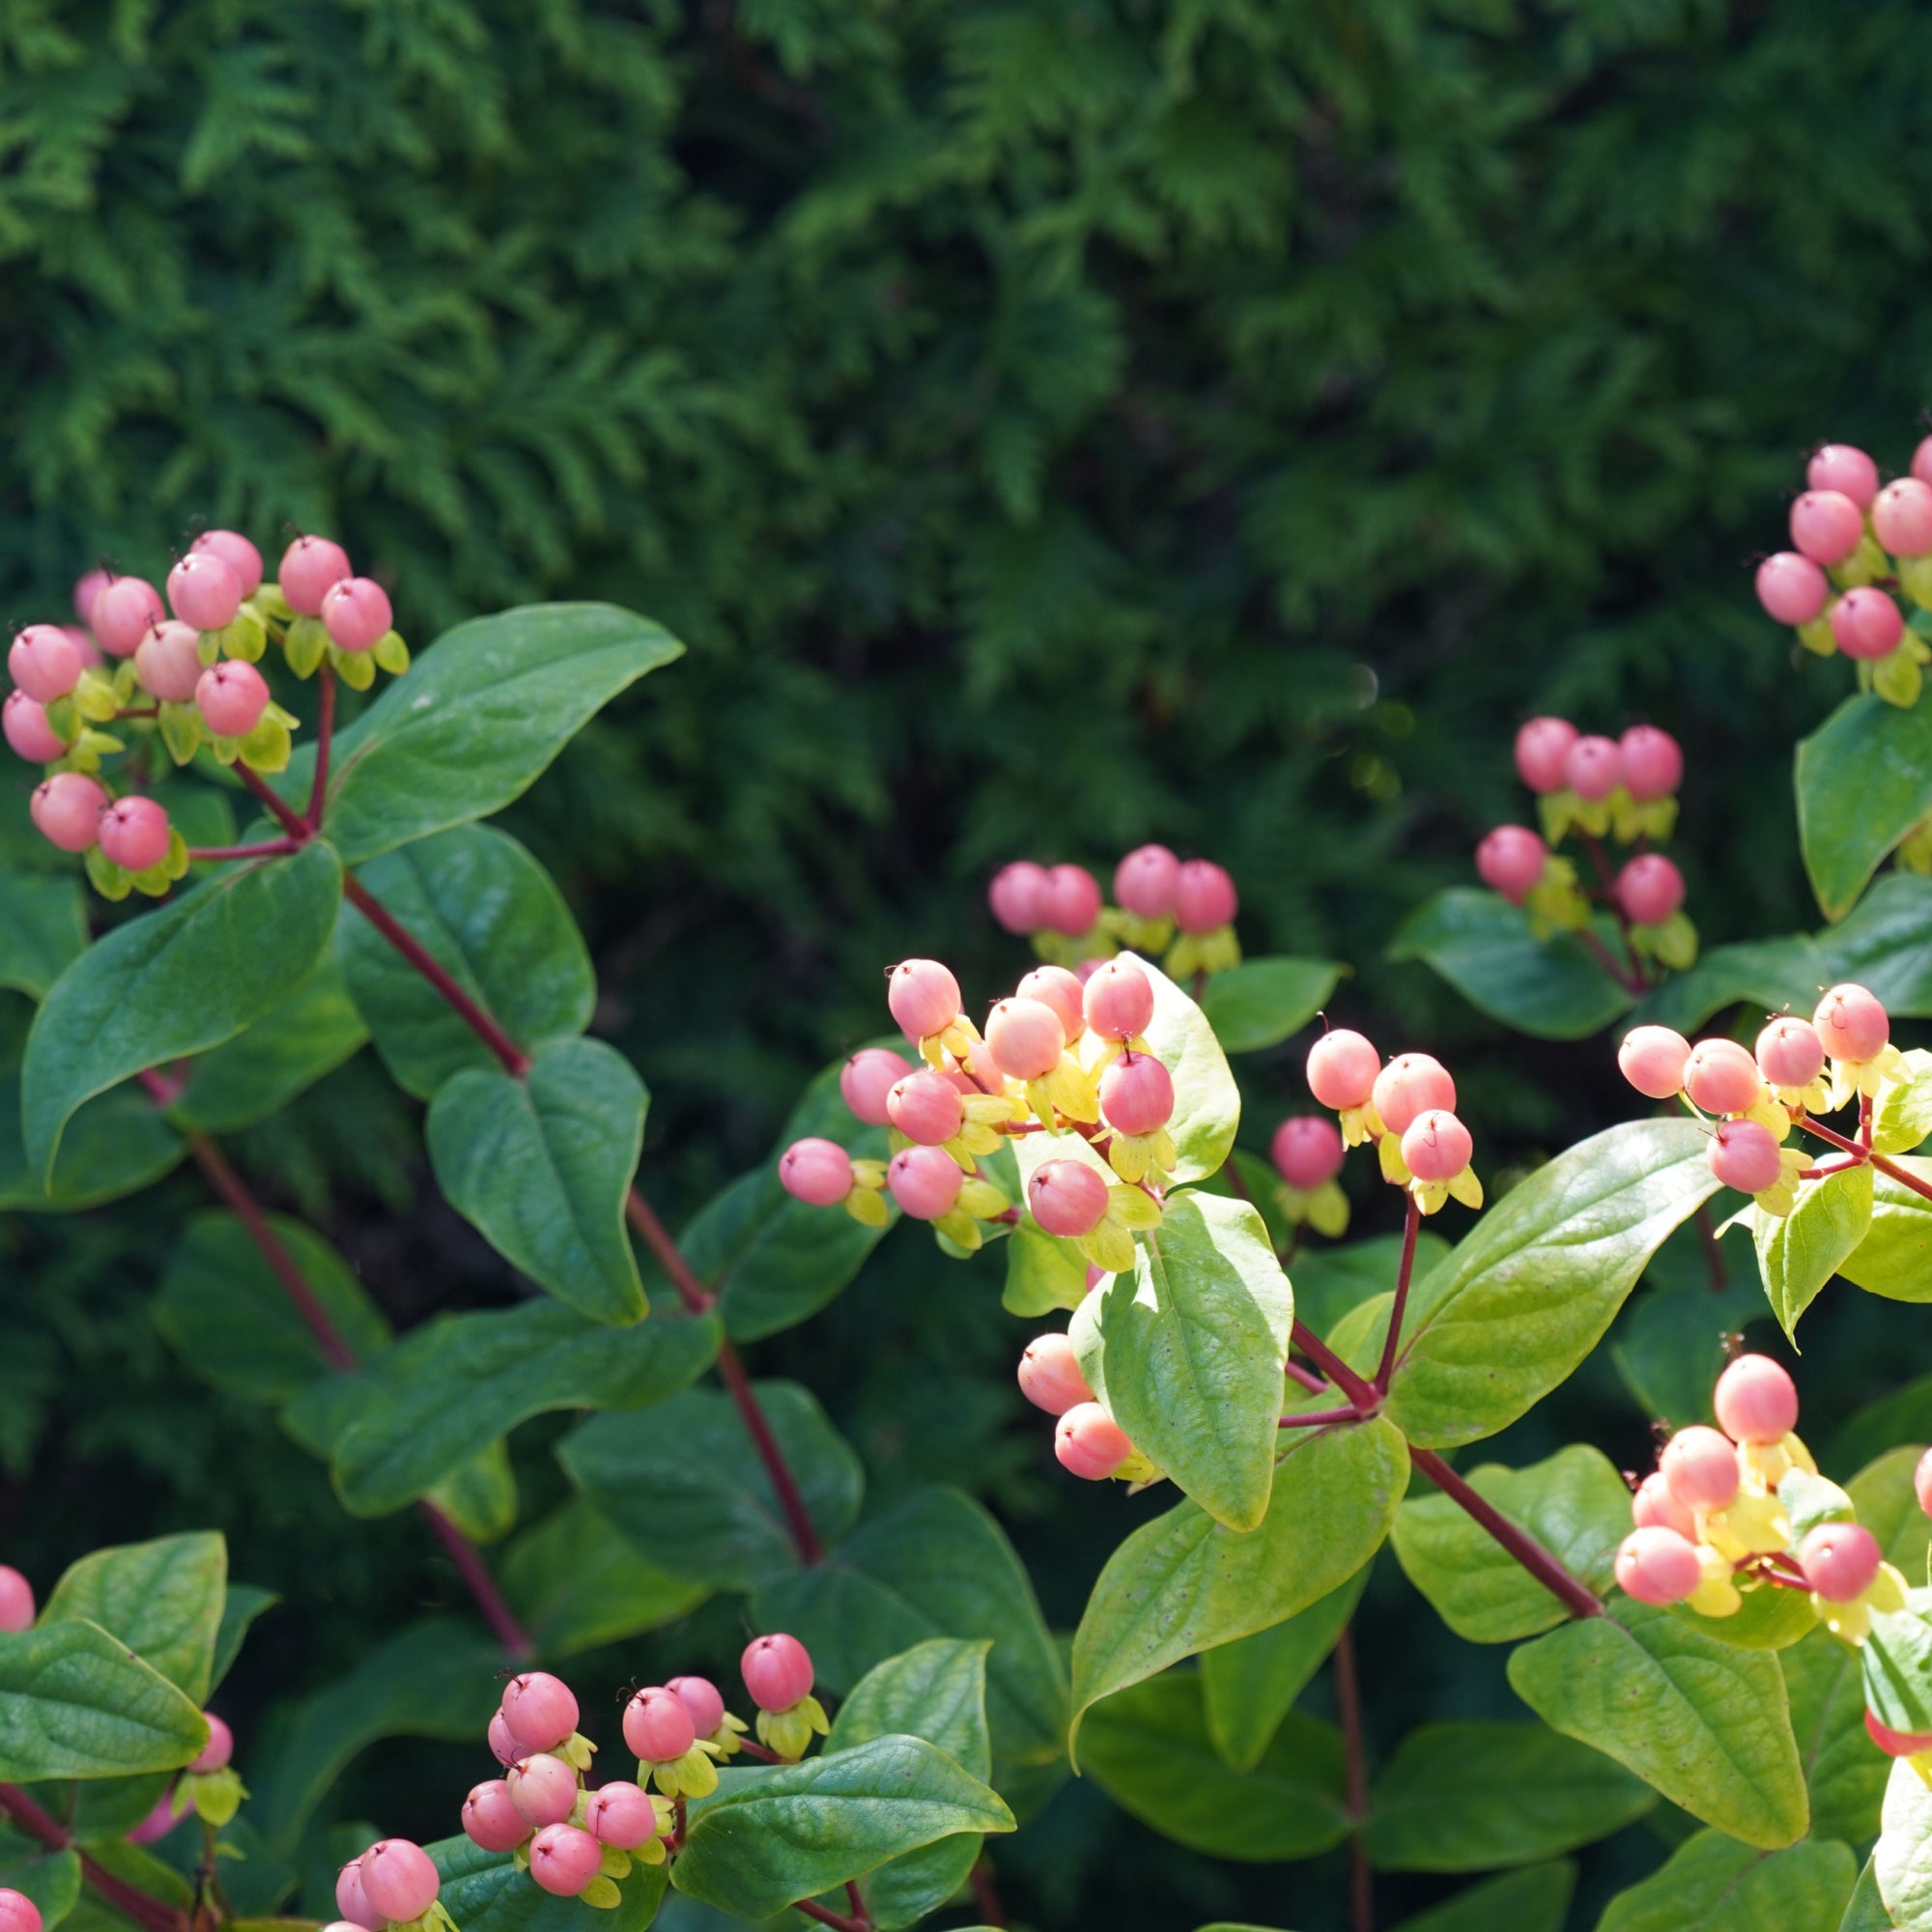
<point>1652,1058</point>
<point>1342,1069</point>
<point>236,553</point>
<point>1745,1157</point>
<point>1653,762</point>
<point>923,997</point>
<point>27,729</point>
<point>1852,1023</point>
<point>925,1182</point>
<point>1650,889</point>
<point>1146,881</point>
<point>18,1912</point>
<point>503,1747</point>
<point>1541,745</point>
<point>1025,1039</point>
<point>544,1788</point>
<point>926,1107</point>
<point>215,1755</point>
<point>1845,468</point>
<point>204,591</point>
<point>564,1859</point>
<point>1902,517</point>
<point>353,1901</point>
<point>1658,1566</point>
<point>67,811</point>
<point>657,1725</point>
<point>1839,1560</point>
<point>1756,1401</point>
<point>1792,588</point>
<point>1509,861</point>
<point>133,832</point>
<point>1050,1377</point>
<point>1701,1467</point>
<point>1594,768</point>
<point>124,614</point>
<point>1898,1744</point>
<point>1921,1476</point>
<point>86,590</point>
<point>491,1820</point>
<point>621,1815</point>
<point>1118,1000</point>
<point>1653,1507</point>
<point>1922,461</point>
<point>1826,526</point>
<point>1436,1146</point>
<point>1721,1077</point>
<point>1205,900</point>
<point>167,661</point>
<point>1307,1152</point>
<point>540,1710</point>
<point>310,566</point>
<point>400,1879</point>
<point>702,1699</point>
<point>778,1671</point>
<point>355,613</point>
<point>17,1600</point>
<point>1056,987</point>
<point>232,695</point>
<point>1067,1198</point>
<point>1866,623</point>
<point>1090,1443</point>
<point>1411,1084</point>
<point>816,1172</point>
<point>868,1078</point>
<point>1137,1093</point>
<point>1071,902</point>
<point>43,663</point>
<point>83,642</point>
<point>157,1823</point>
<point>1017,896</point>
<point>1790,1054</point>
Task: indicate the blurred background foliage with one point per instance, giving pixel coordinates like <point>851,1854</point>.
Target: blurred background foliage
<point>1050,426</point>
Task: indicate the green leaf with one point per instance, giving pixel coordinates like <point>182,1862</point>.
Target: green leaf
<point>1798,1253</point>
<point>51,1879</point>
<point>1195,1343</point>
<point>1902,1859</point>
<point>43,930</point>
<point>480,1495</point>
<point>1670,1347</point>
<point>240,1605</point>
<point>1895,1260</point>
<point>1261,1001</point>
<point>1206,1102</point>
<point>1897,1658</point>
<point>1903,1116</point>
<point>1703,1723</point>
<point>1330,1282</point>
<point>1573,1503</point>
<point>1863,780</point>
<point>783,1833</point>
<point>1866,1911</point>
<point>495,921</point>
<point>1825,1682</point>
<point>1770,1619</point>
<point>1483,945</point>
<point>1044,1274</point>
<point>1534,1899</point>
<point>1774,973</point>
<point>477,720</point>
<point>163,1600</point>
<point>1147,1749</point>
<point>1249,1686</point>
<point>1529,1293</point>
<point>1888,1505</point>
<point>541,1167</point>
<point>484,1891</point>
<point>173,983</point>
<point>117,1143</point>
<point>451,1387</point>
<point>1184,1583</point>
<point>575,1584</point>
<point>74,1703</point>
<point>683,1481</point>
<point>1713,1884</point>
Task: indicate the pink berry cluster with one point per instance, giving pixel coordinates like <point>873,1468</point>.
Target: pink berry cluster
<point>1626,787</point>
<point>1855,544</point>
<point>1406,1108</point>
<point>1087,1440</point>
<point>1753,1098</point>
<point>393,1882</point>
<point>1186,906</point>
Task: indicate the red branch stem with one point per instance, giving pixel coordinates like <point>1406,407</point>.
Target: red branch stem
<point>825,1916</point>
<point>1307,1378</point>
<point>1338,1372</point>
<point>1862,1152</point>
<point>272,848</point>
<point>325,731</point>
<point>1320,1418</point>
<point>1411,1226</point>
<point>297,828</point>
<point>1524,1548</point>
<point>143,1908</point>
<point>985,1895</point>
<point>1355,1773</point>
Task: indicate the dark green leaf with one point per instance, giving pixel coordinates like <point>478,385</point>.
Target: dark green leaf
<point>480,1495</point>
<point>240,1605</point>
<point>1863,780</point>
<point>1903,1416</point>
<point>484,1891</point>
<point>1844,1773</point>
<point>1799,1252</point>
<point>43,930</point>
<point>1894,1259</point>
<point>51,1879</point>
<point>576,1584</point>
<point>1259,1003</point>
<point>1247,1687</point>
<point>1713,1884</point>
<point>1534,1899</point>
<point>117,1143</point>
<point>1670,1347</point>
<point>163,1600</point>
<point>75,1704</point>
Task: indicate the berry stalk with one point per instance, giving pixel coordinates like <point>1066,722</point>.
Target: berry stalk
<point>1411,1225</point>
<point>324,732</point>
<point>152,1914</point>
<point>838,1920</point>
<point>1863,1152</point>
<point>1582,1600</point>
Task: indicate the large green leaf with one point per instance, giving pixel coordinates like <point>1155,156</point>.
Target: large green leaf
<point>43,930</point>
<point>1894,1259</point>
<point>115,1145</point>
<point>1259,1003</point>
<point>774,1834</point>
<point>1195,1341</point>
<point>51,1879</point>
<point>1528,1294</point>
<point>484,1891</point>
<point>1573,1503</point>
<point>1886,1502</point>
<point>1534,1899</point>
<point>1866,1911</point>
<point>683,1481</point>
<point>1702,1721</point>
<point>575,1584</point>
<point>1844,1775</point>
<point>74,1702</point>
<point>542,1166</point>
<point>1206,1102</point>
<point>1670,1345</point>
<point>1863,780</point>
<point>163,1600</point>
<point>1897,1660</point>
<point>1184,1583</point>
<point>1713,1884</point>
<point>173,983</point>
<point>1248,1686</point>
<point>1902,1859</point>
<point>1798,1253</point>
<point>477,720</point>
<point>496,922</point>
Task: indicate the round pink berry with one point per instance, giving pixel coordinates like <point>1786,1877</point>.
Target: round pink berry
<point>1790,587</point>
<point>355,613</point>
<point>204,591</point>
<point>1056,987</point>
<point>1839,1560</point>
<point>816,1172</point>
<point>1067,1198</point>
<point>1790,1054</point>
<point>1050,1377</point>
<point>27,729</point>
<point>1653,762</point>
<point>1756,1401</point>
<point>539,1710</point>
<point>1658,1566</point>
<point>67,811</point>
<point>1652,1058</point>
<point>1509,861</point>
<point>1721,1077</point>
<point>86,590</point>
<point>1205,900</point>
<point>1541,747</point>
<point>44,663</point>
<point>1090,1443</point>
<point>1594,768</point>
<point>310,566</point>
<point>926,1107</point>
<point>157,1823</point>
<point>1017,896</point>
<point>353,1901</point>
<point>868,1078</point>
<point>232,695</point>
<point>1921,1476</point>
<point>544,1788</point>
<point>1852,1023</point>
<point>1866,623</point>
<point>400,1879</point>
<point>564,1859</point>
<point>215,1755</point>
<point>491,1820</point>
<point>1902,517</point>
<point>778,1671</point>
<point>1845,468</point>
<point>133,832</point>
<point>1137,1093</point>
<point>621,1815</point>
<point>1653,1507</point>
<point>167,661</point>
<point>1342,1069</point>
<point>1826,526</point>
<point>1411,1084</point>
<point>1118,1000</point>
<point>18,1912</point>
<point>17,1600</point>
<point>1744,1156</point>
<point>657,1725</point>
<point>702,1699</point>
<point>1072,900</point>
<point>503,1747</point>
<point>124,614</point>
<point>1025,1039</point>
<point>1701,1467</point>
<point>1650,889</point>
<point>925,1182</point>
<point>1436,1146</point>
<point>923,997</point>
<point>1146,880</point>
<point>236,553</point>
<point>1307,1152</point>
<point>1898,1744</point>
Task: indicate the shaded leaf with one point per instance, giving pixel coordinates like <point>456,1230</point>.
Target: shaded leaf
<point>1261,1001</point>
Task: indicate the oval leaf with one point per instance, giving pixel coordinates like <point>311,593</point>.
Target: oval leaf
<point>1713,1884</point>
<point>43,930</point>
<point>1863,780</point>
<point>114,1145</point>
<point>576,1584</point>
<point>163,1600</point>
<point>484,1891</point>
<point>1798,1253</point>
<point>1247,1687</point>
<point>75,1704</point>
<point>1895,1260</point>
<point>1261,1001</point>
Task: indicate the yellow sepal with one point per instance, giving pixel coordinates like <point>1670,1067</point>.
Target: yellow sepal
<point>981,1200</point>
<point>1466,1188</point>
<point>1108,1245</point>
<point>1395,1170</point>
<point>1361,1123</point>
<point>866,1207</point>
<point>1770,1114</point>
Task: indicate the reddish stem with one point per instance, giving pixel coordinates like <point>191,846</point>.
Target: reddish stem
<point>738,1386</point>
<point>475,1573</point>
<point>985,1895</point>
<point>1602,955</point>
<point>656,1237</point>
<point>1411,1226</point>
<point>1638,983</point>
<point>325,731</point>
<point>284,816</point>
<point>273,849</point>
<point>838,1920</point>
<point>1319,1419</point>
<point>1877,1160</point>
<point>1348,1710</point>
<point>146,1911</point>
<point>1338,1372</point>
<point>1307,1378</point>
<point>1530,1553</point>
